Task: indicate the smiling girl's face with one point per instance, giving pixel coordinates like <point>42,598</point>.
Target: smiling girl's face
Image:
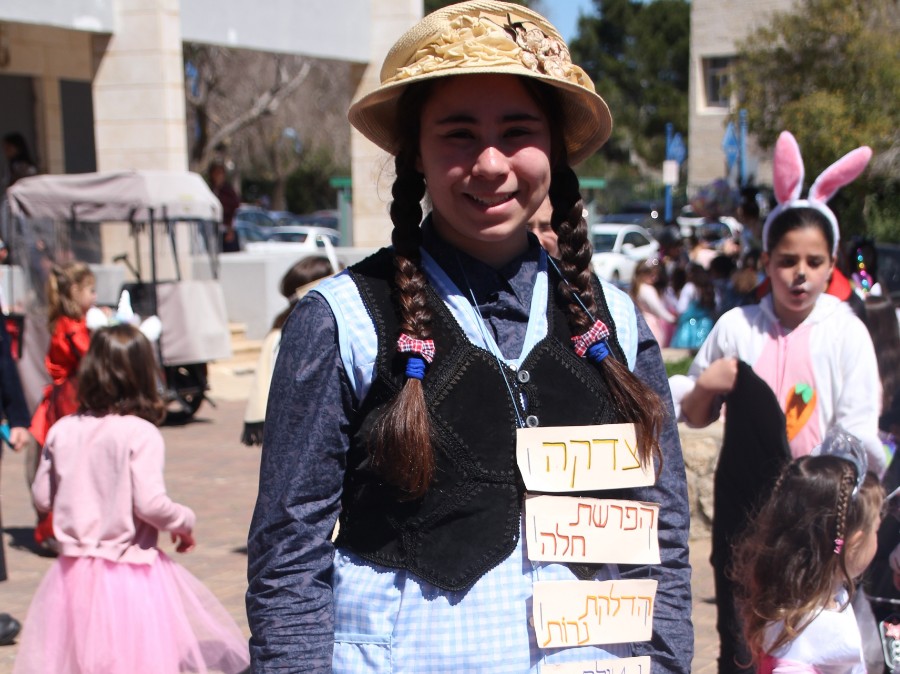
<point>799,266</point>
<point>484,148</point>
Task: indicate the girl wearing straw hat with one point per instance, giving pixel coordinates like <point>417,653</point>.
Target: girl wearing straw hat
<point>403,384</point>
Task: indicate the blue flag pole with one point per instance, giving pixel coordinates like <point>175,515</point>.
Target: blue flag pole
<point>668,213</point>
<point>742,115</point>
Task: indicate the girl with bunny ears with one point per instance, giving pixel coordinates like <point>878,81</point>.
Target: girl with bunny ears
<point>402,384</point>
<point>807,346</point>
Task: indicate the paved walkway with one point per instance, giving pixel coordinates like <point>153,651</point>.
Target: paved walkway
<point>208,469</point>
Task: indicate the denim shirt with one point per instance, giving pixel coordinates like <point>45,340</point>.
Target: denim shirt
<point>312,400</point>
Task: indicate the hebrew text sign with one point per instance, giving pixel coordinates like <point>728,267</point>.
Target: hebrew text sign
<point>579,612</point>
<point>589,530</point>
<point>580,458</point>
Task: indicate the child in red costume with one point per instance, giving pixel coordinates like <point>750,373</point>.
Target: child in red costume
<point>71,291</point>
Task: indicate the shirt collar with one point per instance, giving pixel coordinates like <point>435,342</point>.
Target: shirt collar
<point>516,276</point>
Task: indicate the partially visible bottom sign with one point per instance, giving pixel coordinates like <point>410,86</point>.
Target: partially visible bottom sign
<point>639,665</point>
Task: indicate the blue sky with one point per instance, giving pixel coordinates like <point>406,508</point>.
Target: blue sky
<point>564,14</point>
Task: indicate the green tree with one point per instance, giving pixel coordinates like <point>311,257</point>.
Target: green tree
<point>637,53</point>
<point>308,188</point>
<point>829,71</point>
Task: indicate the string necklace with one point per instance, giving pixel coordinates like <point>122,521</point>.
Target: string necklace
<point>571,289</point>
<point>490,343</point>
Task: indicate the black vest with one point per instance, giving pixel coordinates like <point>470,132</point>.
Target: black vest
<point>469,519</point>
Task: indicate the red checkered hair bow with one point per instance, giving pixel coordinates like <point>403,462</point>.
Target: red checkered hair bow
<point>597,333</point>
<point>422,347</point>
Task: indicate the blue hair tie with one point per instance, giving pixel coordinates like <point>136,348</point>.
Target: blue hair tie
<point>597,352</point>
<point>415,367</point>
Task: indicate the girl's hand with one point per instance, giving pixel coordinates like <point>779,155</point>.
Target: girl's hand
<point>719,378</point>
<point>19,437</point>
<point>185,542</point>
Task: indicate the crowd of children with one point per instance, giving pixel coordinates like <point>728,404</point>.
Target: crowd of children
<point>681,295</point>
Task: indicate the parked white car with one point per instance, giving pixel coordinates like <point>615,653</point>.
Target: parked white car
<point>619,248</point>
<point>691,224</point>
<point>301,244</point>
<point>300,234</point>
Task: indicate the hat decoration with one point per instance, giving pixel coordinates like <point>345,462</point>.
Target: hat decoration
<point>485,37</point>
<point>787,176</point>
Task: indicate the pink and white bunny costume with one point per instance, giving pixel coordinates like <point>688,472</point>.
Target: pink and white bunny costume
<point>787,175</point>
<point>824,371</point>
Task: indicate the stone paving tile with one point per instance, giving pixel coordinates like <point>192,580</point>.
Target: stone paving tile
<point>706,639</point>
<point>208,469</point>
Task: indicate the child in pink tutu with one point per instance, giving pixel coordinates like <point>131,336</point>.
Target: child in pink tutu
<point>112,601</point>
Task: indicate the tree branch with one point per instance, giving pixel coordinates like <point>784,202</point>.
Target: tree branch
<point>266,103</point>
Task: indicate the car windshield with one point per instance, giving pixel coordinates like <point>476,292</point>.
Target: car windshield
<point>293,237</point>
<point>604,242</point>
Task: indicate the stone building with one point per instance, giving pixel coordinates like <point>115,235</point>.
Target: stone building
<point>717,26</point>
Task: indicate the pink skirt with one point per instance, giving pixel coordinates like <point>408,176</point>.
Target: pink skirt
<point>93,616</point>
<point>661,329</point>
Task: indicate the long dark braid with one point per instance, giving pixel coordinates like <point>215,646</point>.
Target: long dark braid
<point>401,438</point>
<point>634,401</point>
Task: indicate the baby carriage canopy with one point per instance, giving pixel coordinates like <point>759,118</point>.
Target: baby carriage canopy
<point>62,214</point>
<point>133,196</point>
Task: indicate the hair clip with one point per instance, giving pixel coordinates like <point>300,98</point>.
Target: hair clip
<point>592,344</point>
<point>421,352</point>
<point>838,545</point>
<point>865,278</point>
<point>848,447</point>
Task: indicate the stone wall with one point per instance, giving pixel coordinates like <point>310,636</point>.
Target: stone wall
<point>701,451</point>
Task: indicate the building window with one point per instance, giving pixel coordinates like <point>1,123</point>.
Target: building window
<point>717,75</point>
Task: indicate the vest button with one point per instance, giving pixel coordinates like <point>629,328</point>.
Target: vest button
<point>524,376</point>
<point>531,421</point>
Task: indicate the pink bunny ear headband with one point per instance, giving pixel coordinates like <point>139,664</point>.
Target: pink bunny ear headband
<point>788,178</point>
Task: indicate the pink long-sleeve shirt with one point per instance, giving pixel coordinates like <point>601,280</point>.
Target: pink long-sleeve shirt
<point>103,479</point>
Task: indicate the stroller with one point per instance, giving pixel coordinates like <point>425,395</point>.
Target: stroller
<point>169,222</point>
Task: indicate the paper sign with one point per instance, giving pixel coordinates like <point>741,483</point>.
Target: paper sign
<point>590,530</point>
<point>592,612</point>
<point>580,458</point>
<point>670,172</point>
<point>639,665</point>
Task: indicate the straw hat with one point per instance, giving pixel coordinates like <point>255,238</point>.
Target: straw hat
<point>484,36</point>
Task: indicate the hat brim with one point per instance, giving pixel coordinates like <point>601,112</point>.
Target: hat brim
<point>587,123</point>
